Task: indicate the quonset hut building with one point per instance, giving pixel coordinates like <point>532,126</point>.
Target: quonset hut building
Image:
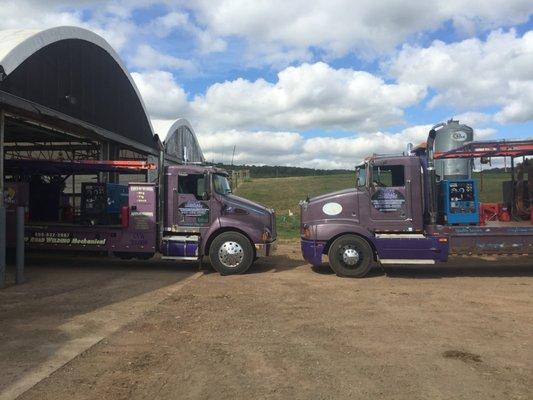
<point>70,112</point>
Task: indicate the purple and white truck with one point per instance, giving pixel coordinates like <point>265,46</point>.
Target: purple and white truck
<point>191,214</point>
<point>419,208</point>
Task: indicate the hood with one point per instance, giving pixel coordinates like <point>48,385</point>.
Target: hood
<point>331,195</point>
<point>342,204</point>
<point>236,201</point>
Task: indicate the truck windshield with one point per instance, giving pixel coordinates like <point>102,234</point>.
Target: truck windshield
<point>360,175</point>
<point>221,184</point>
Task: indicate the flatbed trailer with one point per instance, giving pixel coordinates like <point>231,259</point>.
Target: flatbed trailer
<point>402,221</point>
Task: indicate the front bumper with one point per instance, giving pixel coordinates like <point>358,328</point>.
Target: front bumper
<point>265,249</point>
<point>312,251</point>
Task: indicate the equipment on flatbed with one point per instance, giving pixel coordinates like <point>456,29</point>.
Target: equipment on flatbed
<point>459,202</point>
<point>101,203</point>
<point>449,137</point>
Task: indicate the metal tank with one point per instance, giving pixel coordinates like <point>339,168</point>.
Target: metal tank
<point>451,136</point>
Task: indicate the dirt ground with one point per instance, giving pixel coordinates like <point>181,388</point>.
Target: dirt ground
<point>70,303</point>
<point>461,330</point>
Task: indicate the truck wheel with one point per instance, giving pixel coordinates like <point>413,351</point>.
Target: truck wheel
<point>231,253</point>
<point>350,255</point>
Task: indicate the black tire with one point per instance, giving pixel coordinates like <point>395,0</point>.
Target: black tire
<point>241,253</point>
<point>144,256</point>
<point>363,259</point>
<point>124,256</point>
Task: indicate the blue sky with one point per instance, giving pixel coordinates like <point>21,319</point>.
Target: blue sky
<point>314,83</point>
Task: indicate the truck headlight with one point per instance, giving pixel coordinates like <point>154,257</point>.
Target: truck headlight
<point>306,232</point>
<point>266,236</point>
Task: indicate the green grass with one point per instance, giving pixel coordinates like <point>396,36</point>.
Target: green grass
<point>491,190</point>
<point>283,194</point>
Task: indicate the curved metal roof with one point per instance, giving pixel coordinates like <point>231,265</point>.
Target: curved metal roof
<point>181,135</point>
<point>19,45</point>
<point>16,45</point>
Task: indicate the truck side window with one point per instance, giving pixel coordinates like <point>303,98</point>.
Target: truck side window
<point>388,175</point>
<point>192,184</point>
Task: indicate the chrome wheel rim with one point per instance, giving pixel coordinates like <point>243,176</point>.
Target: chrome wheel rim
<point>350,256</point>
<point>230,254</point>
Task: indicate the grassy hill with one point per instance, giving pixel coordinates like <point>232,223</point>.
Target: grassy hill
<point>283,194</point>
<point>280,171</point>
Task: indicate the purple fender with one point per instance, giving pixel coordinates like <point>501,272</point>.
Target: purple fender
<point>326,231</point>
<point>322,233</point>
<point>229,223</point>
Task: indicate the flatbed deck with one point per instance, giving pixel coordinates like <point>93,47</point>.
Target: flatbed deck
<point>494,238</point>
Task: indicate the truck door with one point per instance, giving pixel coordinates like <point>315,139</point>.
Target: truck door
<point>389,196</point>
<point>192,207</point>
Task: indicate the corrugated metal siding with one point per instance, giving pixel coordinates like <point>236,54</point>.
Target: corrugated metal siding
<point>179,139</point>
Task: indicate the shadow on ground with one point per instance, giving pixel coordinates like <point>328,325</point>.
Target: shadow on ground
<point>61,287</point>
<point>471,267</point>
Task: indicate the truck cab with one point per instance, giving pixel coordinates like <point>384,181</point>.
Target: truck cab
<point>380,219</point>
<point>201,217</point>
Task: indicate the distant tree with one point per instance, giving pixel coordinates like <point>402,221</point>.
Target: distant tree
<point>280,171</point>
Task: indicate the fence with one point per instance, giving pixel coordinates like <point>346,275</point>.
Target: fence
<point>238,177</point>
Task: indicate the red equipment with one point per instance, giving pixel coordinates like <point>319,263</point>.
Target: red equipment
<point>488,212</point>
<point>503,213</point>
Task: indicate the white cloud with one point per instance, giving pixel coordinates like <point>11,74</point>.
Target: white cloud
<point>265,119</point>
<point>474,73</point>
<point>180,21</point>
<point>307,96</point>
<point>473,118</point>
<point>291,148</point>
<point>163,97</point>
<point>147,57</point>
<point>519,106</point>
<point>112,25</point>
<point>162,26</point>
<point>277,28</point>
<point>161,126</point>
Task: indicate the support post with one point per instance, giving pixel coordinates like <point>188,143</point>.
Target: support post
<point>20,246</point>
<point>513,189</point>
<point>2,206</point>
<point>2,246</point>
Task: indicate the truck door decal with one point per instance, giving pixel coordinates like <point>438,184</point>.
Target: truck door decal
<point>387,200</point>
<point>193,213</point>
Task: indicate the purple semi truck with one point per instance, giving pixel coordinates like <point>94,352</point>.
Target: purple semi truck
<point>192,214</point>
<point>419,208</point>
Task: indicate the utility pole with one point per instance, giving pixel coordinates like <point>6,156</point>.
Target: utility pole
<point>233,155</point>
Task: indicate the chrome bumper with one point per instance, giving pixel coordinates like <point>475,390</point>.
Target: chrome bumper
<point>265,249</point>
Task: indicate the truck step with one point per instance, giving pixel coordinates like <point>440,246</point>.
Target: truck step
<point>411,261</point>
<point>179,258</point>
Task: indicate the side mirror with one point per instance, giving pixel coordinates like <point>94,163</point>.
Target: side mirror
<point>205,196</point>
